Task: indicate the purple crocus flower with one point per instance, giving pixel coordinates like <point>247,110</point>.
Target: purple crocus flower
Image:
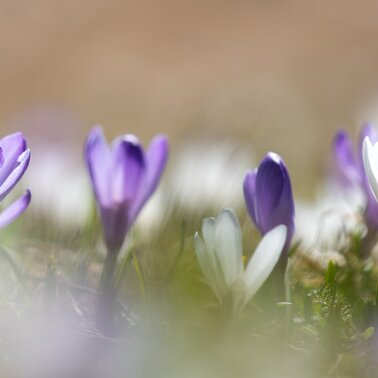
<point>351,168</point>
<point>14,159</point>
<point>268,196</point>
<point>123,178</point>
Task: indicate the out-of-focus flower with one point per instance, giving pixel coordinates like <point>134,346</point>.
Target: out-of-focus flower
<point>200,169</point>
<point>268,196</point>
<point>351,168</point>
<point>370,158</point>
<point>192,184</point>
<point>63,195</point>
<point>14,159</point>
<point>220,256</point>
<point>123,178</point>
<point>328,221</point>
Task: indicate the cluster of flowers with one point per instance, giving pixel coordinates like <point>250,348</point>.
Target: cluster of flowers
<point>124,176</point>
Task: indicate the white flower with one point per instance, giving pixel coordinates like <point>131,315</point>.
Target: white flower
<point>370,157</point>
<point>220,256</point>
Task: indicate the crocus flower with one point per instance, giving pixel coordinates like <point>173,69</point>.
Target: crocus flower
<point>351,167</point>
<point>220,256</point>
<point>123,178</point>
<point>268,196</point>
<point>14,159</point>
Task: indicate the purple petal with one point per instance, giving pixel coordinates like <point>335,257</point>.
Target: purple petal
<point>15,175</point>
<point>156,160</point>
<point>12,147</point>
<point>115,221</point>
<point>249,189</point>
<point>128,167</point>
<point>371,210</point>
<point>98,158</point>
<point>1,157</point>
<point>274,197</point>
<point>15,209</point>
<point>348,166</point>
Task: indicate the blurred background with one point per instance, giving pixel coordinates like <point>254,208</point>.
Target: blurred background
<point>227,81</point>
<point>259,75</point>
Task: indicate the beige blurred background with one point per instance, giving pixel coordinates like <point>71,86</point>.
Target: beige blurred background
<point>268,75</point>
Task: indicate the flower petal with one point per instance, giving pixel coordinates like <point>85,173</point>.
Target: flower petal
<point>127,169</point>
<point>12,147</point>
<point>15,209</point>
<point>249,189</point>
<point>15,175</point>
<point>368,129</point>
<point>370,159</point>
<point>228,246</point>
<point>208,233</point>
<point>205,264</point>
<point>98,158</point>
<point>264,260</point>
<point>156,160</point>
<point>343,150</point>
<point>274,197</point>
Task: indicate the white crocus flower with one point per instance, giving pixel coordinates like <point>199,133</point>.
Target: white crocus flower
<point>220,256</point>
<point>370,157</point>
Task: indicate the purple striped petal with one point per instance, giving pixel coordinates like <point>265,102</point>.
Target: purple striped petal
<point>12,147</point>
<point>156,160</point>
<point>128,167</point>
<point>269,186</point>
<point>15,175</point>
<point>123,178</point>
<point>98,158</point>
<point>249,189</point>
<point>274,204</point>
<point>14,210</point>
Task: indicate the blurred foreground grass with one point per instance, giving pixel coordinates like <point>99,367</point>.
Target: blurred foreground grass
<point>170,322</point>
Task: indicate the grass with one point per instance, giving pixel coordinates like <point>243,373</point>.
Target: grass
<point>169,323</point>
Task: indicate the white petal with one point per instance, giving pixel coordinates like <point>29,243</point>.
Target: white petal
<point>264,259</point>
<point>228,246</point>
<point>208,232</point>
<point>370,158</point>
<point>204,263</point>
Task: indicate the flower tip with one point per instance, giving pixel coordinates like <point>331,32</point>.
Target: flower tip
<point>162,141</point>
<point>339,137</point>
<point>94,135</point>
<point>229,213</point>
<point>274,157</point>
<point>226,220</point>
<point>28,195</point>
<point>367,147</point>
<point>24,156</point>
<point>249,179</point>
<point>282,230</point>
<point>129,139</point>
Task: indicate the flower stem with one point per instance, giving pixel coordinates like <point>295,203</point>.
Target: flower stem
<point>106,304</point>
